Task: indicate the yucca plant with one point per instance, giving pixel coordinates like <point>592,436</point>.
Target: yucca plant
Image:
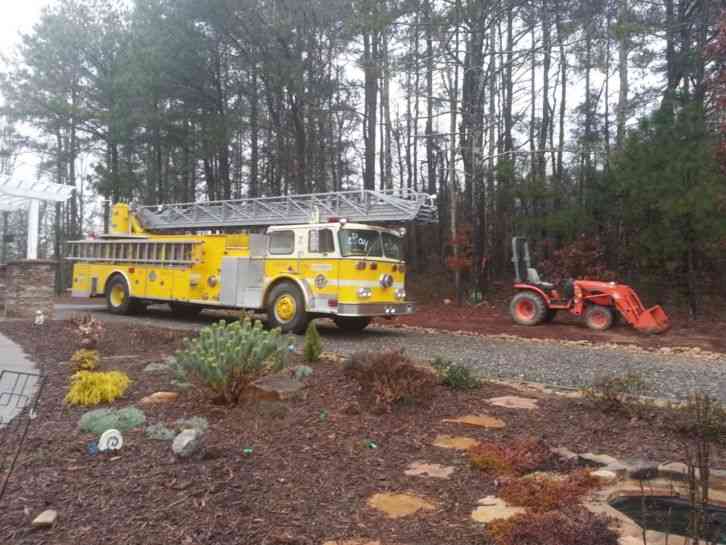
<point>226,358</point>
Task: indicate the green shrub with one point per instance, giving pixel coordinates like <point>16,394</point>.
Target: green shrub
<point>456,377</point>
<point>99,420</point>
<point>89,388</point>
<point>390,377</point>
<point>313,344</point>
<point>226,358</point>
<point>159,432</point>
<point>618,393</point>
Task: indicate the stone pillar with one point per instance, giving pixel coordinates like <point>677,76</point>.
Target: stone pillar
<point>29,287</point>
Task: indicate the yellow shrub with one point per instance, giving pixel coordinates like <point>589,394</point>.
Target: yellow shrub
<point>85,360</point>
<point>89,388</point>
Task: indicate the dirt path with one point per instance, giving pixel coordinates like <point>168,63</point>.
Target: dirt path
<point>671,375</point>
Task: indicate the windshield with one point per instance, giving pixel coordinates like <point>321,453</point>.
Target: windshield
<point>356,242</point>
<point>392,246</point>
<point>368,243</point>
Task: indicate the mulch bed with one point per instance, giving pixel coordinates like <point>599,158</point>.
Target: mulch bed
<point>309,475</point>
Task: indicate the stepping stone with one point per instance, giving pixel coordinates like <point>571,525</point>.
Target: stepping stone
<point>482,421</point>
<point>606,475</point>
<point>513,402</point>
<point>435,471</point>
<point>600,459</point>
<point>396,506</point>
<point>492,508</point>
<point>46,519</point>
<point>159,397</point>
<point>455,443</point>
<point>276,388</point>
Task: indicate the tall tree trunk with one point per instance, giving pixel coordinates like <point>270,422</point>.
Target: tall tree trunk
<point>623,71</point>
<point>430,159</point>
<point>388,166</point>
<point>254,133</point>
<point>370,70</point>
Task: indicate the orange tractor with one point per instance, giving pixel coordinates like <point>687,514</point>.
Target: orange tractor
<point>599,303</point>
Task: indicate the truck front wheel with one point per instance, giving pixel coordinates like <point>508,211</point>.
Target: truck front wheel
<point>286,309</point>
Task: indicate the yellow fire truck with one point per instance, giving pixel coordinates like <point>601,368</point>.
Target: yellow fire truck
<point>294,257</point>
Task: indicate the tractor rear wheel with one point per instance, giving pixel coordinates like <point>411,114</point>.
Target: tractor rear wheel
<point>528,308</point>
<point>599,317</point>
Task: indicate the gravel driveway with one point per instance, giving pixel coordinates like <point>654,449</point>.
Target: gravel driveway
<point>668,375</point>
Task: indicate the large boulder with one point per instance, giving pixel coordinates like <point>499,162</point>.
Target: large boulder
<point>188,443</point>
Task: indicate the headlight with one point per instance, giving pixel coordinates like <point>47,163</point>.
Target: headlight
<point>365,293</point>
<point>400,294</point>
<point>386,281</point>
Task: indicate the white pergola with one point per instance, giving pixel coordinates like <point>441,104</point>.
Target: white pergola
<point>19,195</point>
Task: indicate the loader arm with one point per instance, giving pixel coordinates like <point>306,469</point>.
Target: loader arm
<point>631,308</point>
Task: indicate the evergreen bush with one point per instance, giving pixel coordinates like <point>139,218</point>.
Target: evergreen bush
<point>226,358</point>
<point>313,344</point>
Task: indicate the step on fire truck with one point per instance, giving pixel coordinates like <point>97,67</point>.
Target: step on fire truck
<point>317,255</point>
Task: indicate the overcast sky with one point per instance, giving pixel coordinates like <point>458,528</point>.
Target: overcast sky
<point>17,16</point>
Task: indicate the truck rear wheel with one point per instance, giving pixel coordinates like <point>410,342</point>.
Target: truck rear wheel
<point>118,299</point>
<point>286,309</point>
<point>528,308</point>
<point>352,323</point>
<point>599,317</point>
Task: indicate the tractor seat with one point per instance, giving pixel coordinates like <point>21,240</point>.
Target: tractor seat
<point>533,278</point>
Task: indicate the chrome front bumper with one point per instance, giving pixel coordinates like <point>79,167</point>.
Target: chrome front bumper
<point>376,309</point>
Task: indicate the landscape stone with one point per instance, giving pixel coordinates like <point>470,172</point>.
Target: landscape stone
<point>564,453</point>
<point>492,508</point>
<point>455,442</point>
<point>435,471</point>
<point>187,443</point>
<point>600,459</point>
<point>605,475</point>
<point>46,519</point>
<point>396,506</point>
<point>159,397</point>
<point>678,468</point>
<point>513,402</point>
<point>157,368</point>
<point>483,421</point>
<point>276,388</point>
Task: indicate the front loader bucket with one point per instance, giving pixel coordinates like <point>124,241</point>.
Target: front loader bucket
<point>653,320</point>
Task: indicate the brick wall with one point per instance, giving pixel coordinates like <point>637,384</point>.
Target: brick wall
<point>29,287</point>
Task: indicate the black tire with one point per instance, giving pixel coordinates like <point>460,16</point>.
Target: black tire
<point>351,323</point>
<point>550,315</point>
<point>528,308</point>
<point>118,299</point>
<point>599,317</point>
<point>185,310</point>
<point>299,319</point>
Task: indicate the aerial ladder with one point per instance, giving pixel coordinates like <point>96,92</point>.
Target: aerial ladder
<point>295,257</point>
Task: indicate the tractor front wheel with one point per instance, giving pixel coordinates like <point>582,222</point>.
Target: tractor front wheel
<point>599,317</point>
<point>528,308</point>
